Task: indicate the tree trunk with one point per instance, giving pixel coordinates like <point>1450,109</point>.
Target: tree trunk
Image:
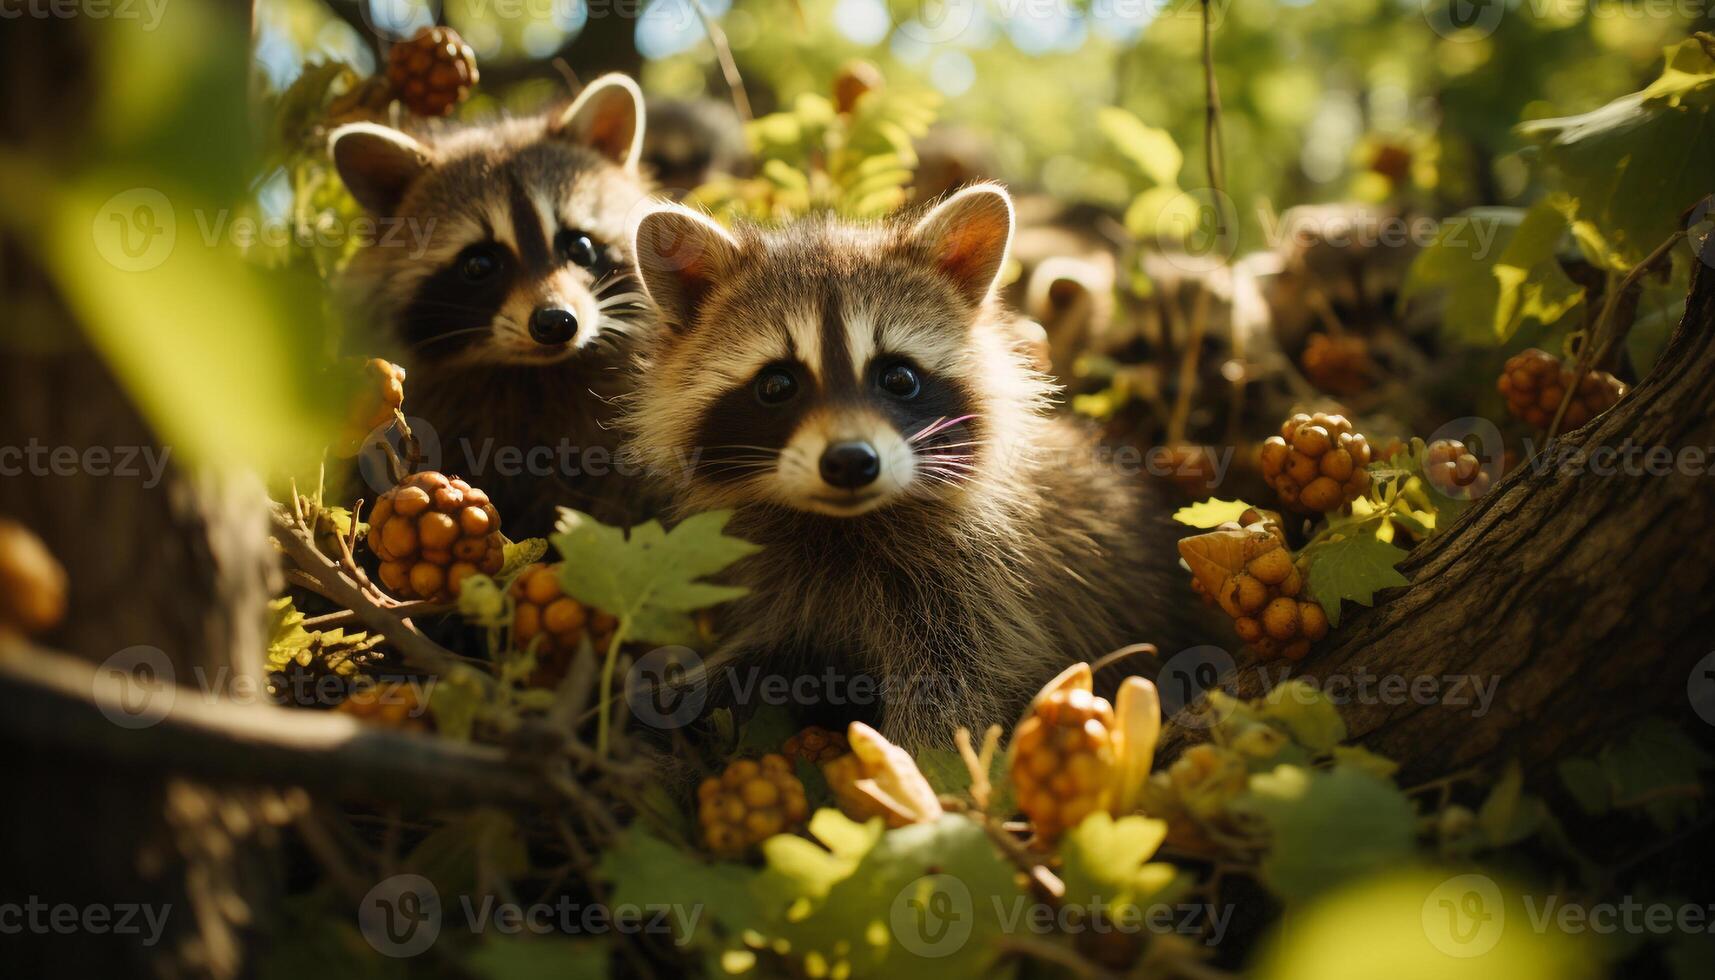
<point>1584,596</point>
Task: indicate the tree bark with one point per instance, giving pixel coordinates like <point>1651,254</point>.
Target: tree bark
<point>1584,597</point>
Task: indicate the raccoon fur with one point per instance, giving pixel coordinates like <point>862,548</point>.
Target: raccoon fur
<point>856,395</point>
<point>516,322</point>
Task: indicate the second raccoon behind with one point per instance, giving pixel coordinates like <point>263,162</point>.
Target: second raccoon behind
<point>517,318</point>
<point>855,394</point>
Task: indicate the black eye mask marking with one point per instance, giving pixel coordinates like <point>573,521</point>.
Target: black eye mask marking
<point>443,318</point>
<point>740,432</point>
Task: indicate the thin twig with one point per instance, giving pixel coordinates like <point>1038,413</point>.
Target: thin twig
<point>729,67</point>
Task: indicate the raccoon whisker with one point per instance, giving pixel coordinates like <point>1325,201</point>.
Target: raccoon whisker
<point>450,335</point>
<point>938,426</point>
<point>770,450</point>
<point>620,299</point>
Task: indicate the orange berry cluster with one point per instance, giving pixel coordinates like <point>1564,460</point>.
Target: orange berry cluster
<point>541,608</point>
<point>1317,462</point>
<point>431,532</point>
<point>1338,365</point>
<point>749,802</point>
<point>1248,572</point>
<point>1534,382</point>
<point>1063,760</point>
<point>815,745</point>
<point>1454,470</point>
<point>382,394</point>
<point>433,71</point>
<point>392,704</point>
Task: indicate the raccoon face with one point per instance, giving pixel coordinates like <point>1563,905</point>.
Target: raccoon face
<point>527,259</point>
<point>828,368</point>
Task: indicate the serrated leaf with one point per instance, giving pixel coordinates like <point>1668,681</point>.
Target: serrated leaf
<point>1353,568</point>
<point>1657,767</point>
<point>517,554</point>
<point>1211,513</point>
<point>650,571</point>
<point>1327,827</point>
<point>645,870</point>
<point>1108,859</point>
<point>1306,712</point>
<point>1485,303</point>
<point>1631,167</point>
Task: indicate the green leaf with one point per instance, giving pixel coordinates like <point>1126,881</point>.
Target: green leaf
<point>456,857</point>
<point>649,576</point>
<point>1507,814</point>
<point>1307,714</point>
<point>1658,768</point>
<point>455,700</point>
<point>1108,859</point>
<point>1533,285</point>
<point>916,886</point>
<point>1211,513</point>
<point>1396,925</point>
<point>1353,568</point>
<point>1492,287</point>
<point>1631,167</point>
<point>517,554</point>
<point>1151,150</point>
<point>765,731</point>
<point>1587,784</point>
<point>1326,827</point>
<point>1362,759</point>
<point>538,958</point>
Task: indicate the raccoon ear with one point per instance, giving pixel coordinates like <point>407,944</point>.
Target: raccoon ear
<point>608,117</point>
<point>378,164</point>
<point>680,256</point>
<point>968,236</point>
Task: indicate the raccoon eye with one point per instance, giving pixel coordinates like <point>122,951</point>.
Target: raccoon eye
<point>577,248</point>
<point>775,386</point>
<point>479,262</point>
<point>900,381</point>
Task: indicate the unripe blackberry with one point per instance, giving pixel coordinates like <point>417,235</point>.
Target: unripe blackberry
<point>433,71</point>
<point>815,745</point>
<point>391,704</point>
<point>542,609</point>
<point>1534,382</point>
<point>372,407</point>
<point>32,582</point>
<point>1317,463</point>
<point>751,801</point>
<point>431,532</point>
<point>1063,761</point>
<point>1340,366</point>
<point>1453,470</point>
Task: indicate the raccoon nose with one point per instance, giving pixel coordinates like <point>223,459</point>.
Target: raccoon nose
<point>552,325</point>
<point>849,465</point>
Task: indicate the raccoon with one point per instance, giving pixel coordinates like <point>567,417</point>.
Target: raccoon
<point>516,322</point>
<point>855,394</point>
